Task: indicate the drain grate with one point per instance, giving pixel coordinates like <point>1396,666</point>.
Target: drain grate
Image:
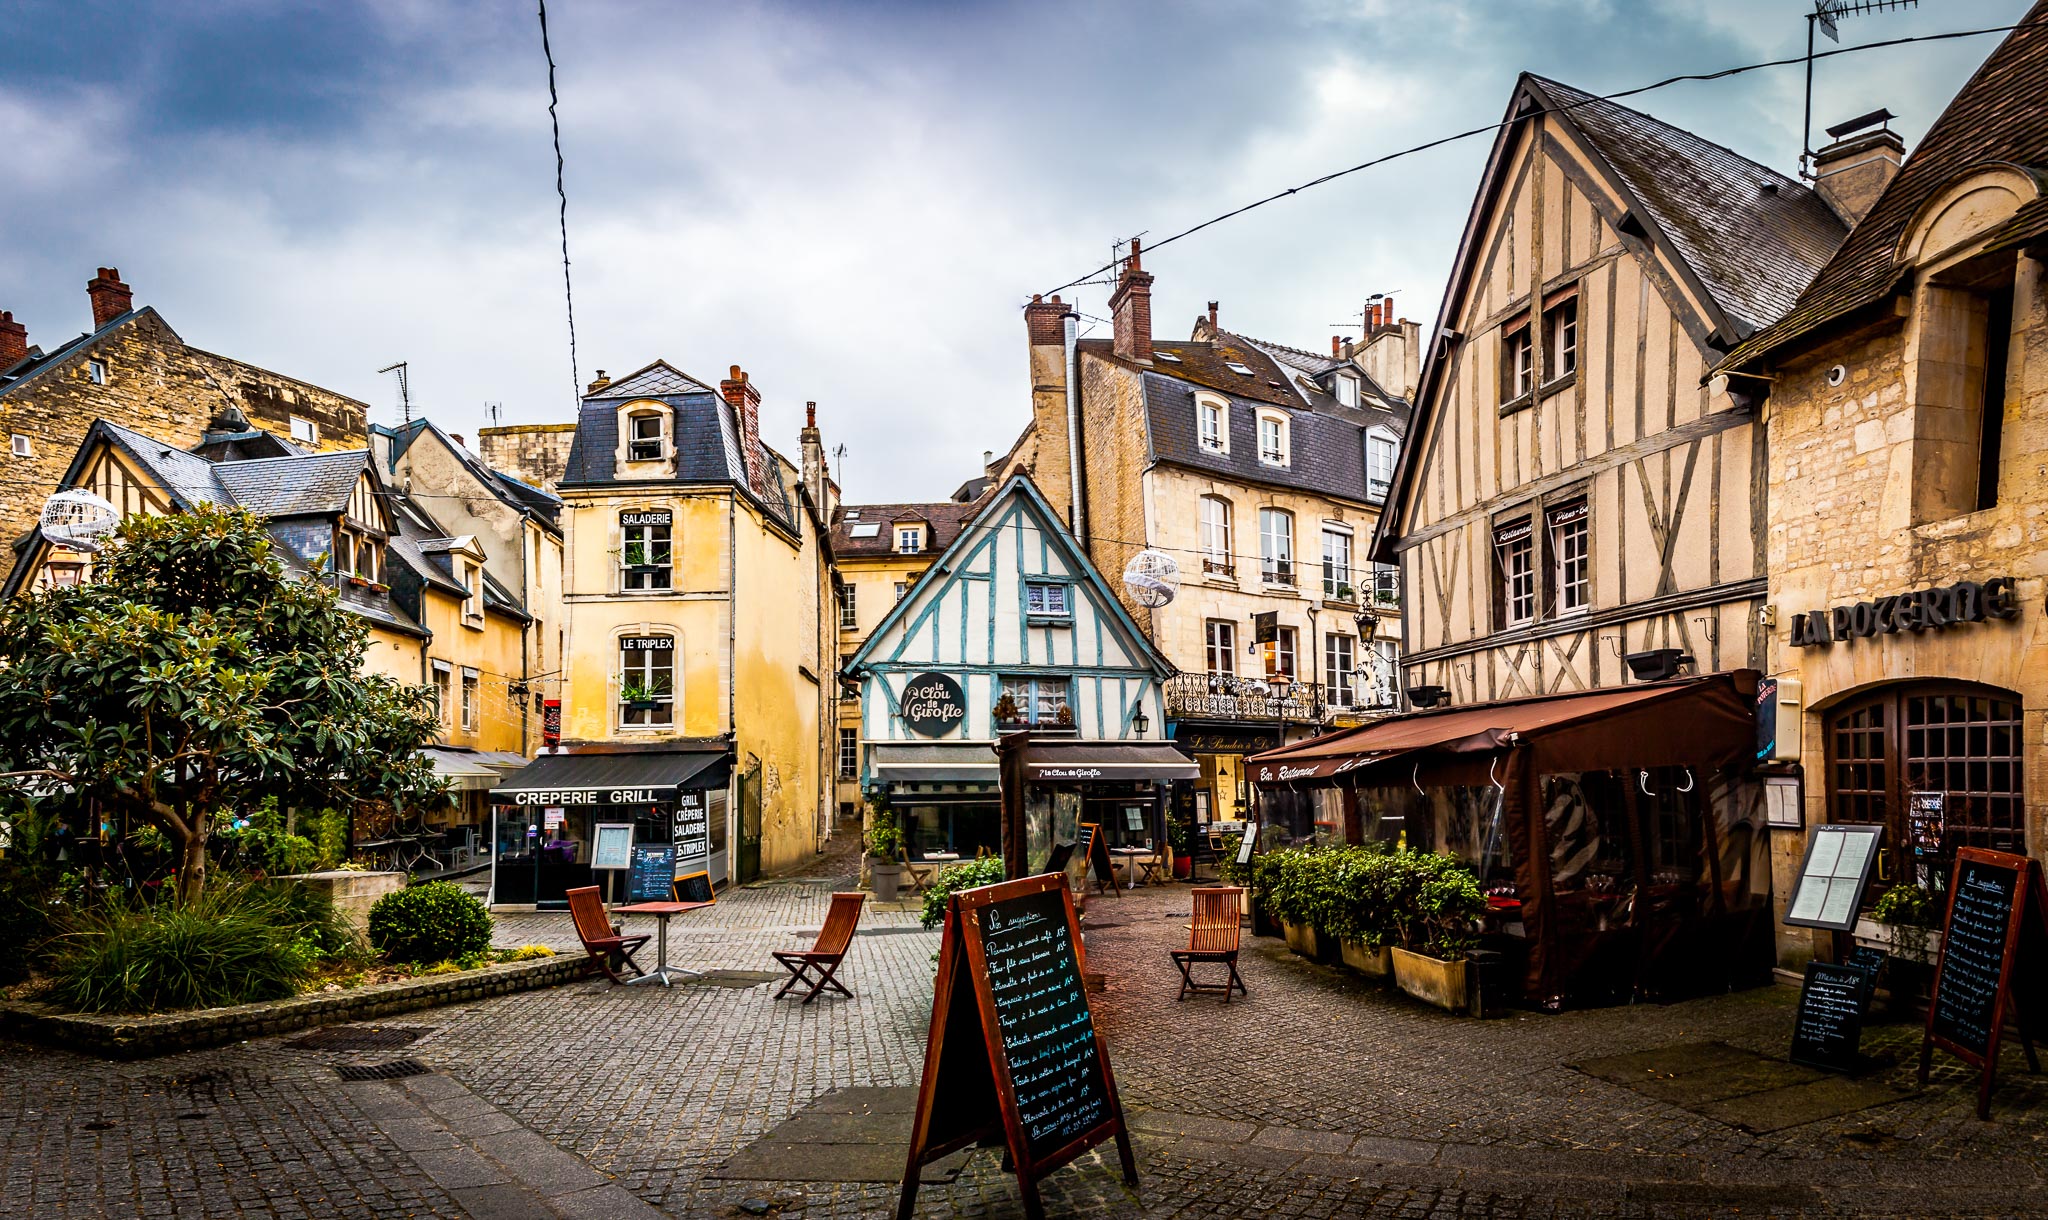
<point>397,1069</point>
<point>359,1037</point>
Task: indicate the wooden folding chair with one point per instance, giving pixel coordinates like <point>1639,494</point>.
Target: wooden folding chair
<point>586,906</point>
<point>1212,938</point>
<point>825,956</point>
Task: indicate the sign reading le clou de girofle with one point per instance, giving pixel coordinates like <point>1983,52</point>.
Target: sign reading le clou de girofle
<point>1922,610</point>
<point>932,704</point>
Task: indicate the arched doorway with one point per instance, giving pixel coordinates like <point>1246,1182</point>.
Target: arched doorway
<point>1938,764</point>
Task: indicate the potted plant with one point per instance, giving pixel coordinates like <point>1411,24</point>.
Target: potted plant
<point>1006,712</point>
<point>638,695</point>
<point>1903,924</point>
<point>1360,919</point>
<point>1345,593</point>
<point>885,846</point>
<point>1178,838</point>
<point>1436,928</point>
<point>1293,898</point>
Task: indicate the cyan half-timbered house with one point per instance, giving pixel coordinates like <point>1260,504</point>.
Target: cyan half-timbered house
<point>1011,629</point>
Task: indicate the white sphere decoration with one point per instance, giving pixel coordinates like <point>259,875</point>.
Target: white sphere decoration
<point>1152,577</point>
<point>78,519</point>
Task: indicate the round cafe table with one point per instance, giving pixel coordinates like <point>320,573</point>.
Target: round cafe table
<point>662,912</point>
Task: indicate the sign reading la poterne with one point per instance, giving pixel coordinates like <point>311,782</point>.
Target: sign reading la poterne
<point>1922,610</point>
<point>933,704</point>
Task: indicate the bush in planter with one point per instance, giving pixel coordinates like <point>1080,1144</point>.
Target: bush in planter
<point>1356,908</point>
<point>1911,913</point>
<point>1446,905</point>
<point>884,838</point>
<point>429,923</point>
<point>964,875</point>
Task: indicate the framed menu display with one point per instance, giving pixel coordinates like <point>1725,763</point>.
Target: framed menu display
<point>614,849</point>
<point>1839,857</point>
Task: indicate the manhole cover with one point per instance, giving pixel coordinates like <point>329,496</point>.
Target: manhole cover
<point>358,1038</point>
<point>397,1069</point>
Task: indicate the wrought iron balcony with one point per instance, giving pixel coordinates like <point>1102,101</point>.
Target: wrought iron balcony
<point>1229,697</point>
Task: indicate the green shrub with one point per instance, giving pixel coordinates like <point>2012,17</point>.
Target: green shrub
<point>237,943</point>
<point>429,923</point>
<point>1446,907</point>
<point>884,839</point>
<point>526,953</point>
<point>965,875</point>
<point>1228,870</point>
<point>1908,906</point>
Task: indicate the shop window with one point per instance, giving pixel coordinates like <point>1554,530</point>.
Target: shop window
<point>1340,683</point>
<point>469,700</point>
<point>1380,448</point>
<point>1216,536</point>
<point>647,670</point>
<point>849,614</point>
<point>1276,546</point>
<point>444,693</point>
<point>1039,702</point>
<point>1221,645</point>
<point>1571,585</point>
<point>646,434</point>
<point>646,551</point>
<point>1517,371</point>
<point>1514,573</point>
<point>1047,599</point>
<point>1212,423</point>
<point>1561,338</point>
<point>1337,581</point>
<point>849,753</point>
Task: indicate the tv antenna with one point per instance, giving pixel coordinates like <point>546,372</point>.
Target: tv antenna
<point>404,390</point>
<point>493,411</point>
<point>1823,18</point>
<point>839,464</point>
<point>1363,311</point>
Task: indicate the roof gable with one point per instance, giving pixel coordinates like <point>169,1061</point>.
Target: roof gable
<point>658,380</point>
<point>313,485</point>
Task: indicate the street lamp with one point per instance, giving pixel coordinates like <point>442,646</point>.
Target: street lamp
<point>1140,721</point>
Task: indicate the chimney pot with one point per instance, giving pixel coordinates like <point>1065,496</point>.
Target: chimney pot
<point>1212,314</point>
<point>110,297</point>
<point>810,415</point>
<point>601,382</point>
<point>1851,173</point>
<point>1336,347</point>
<point>1130,310</point>
<point>13,341</point>
<point>459,442</point>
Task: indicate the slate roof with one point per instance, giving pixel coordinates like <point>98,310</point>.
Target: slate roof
<point>294,486</point>
<point>1998,115</point>
<point>1753,249</point>
<point>525,497</point>
<point>657,380</point>
<point>188,478</point>
<point>946,518</point>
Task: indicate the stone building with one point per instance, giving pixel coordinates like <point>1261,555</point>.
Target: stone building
<point>535,454</point>
<point>1907,399</point>
<point>133,369</point>
<point>1259,469</point>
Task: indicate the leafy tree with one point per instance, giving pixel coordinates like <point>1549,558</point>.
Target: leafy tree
<point>195,678</point>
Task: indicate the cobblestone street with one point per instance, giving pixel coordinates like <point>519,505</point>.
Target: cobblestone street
<point>1316,1096</point>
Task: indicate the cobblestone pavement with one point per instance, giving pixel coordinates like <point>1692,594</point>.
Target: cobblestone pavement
<point>1316,1096</point>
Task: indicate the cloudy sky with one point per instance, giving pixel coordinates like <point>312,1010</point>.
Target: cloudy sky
<point>850,200</point>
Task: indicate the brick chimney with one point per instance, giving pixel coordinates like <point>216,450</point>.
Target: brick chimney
<point>601,382</point>
<point>110,297</point>
<point>13,341</point>
<point>1130,307</point>
<point>1042,321</point>
<point>1336,347</point>
<point>459,442</point>
<point>812,443</point>
<point>1212,314</point>
<point>1854,170</point>
<point>745,401</point>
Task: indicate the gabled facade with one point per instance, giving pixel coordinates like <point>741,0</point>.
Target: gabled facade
<point>1573,490</point>
<point>1012,628</point>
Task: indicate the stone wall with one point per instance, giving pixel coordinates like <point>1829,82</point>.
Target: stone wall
<point>535,454</point>
<point>157,385</point>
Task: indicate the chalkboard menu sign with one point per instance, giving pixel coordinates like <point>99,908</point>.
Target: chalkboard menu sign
<point>653,874</point>
<point>1992,947</point>
<point>695,887</point>
<point>1013,1049</point>
<point>1830,1021</point>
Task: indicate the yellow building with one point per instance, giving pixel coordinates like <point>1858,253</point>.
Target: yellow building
<point>700,647</point>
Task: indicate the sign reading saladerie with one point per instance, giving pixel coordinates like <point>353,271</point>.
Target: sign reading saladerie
<point>652,517</point>
<point>933,704</point>
<point>1922,610</point>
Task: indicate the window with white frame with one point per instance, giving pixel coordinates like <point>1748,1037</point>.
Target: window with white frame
<point>849,613</point>
<point>909,539</point>
<point>1216,536</point>
<point>1212,424</point>
<point>647,687</point>
<point>1276,546</point>
<point>1046,599</point>
<point>1339,674</point>
<point>23,446</point>
<point>1280,654</point>
<point>305,431</point>
<point>1386,584</point>
<point>1517,370</point>
<point>1337,581</point>
<point>472,592</point>
<point>902,587</point>
<point>1039,700</point>
<point>1377,687</point>
<point>849,753</point>
<point>1514,573</point>
<point>1273,438</point>
<point>645,436</point>
<point>1347,389</point>
<point>646,550</point>
<point>1561,338</point>
<point>1220,635</point>
<point>470,681</point>
<point>1380,448</point>
<point>97,370</point>
<point>444,693</point>
<point>1570,577</point>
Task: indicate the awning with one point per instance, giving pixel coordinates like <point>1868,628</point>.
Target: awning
<point>1682,721</point>
<point>952,762</point>
<point>1058,762</point>
<point>463,769</point>
<point>638,778</point>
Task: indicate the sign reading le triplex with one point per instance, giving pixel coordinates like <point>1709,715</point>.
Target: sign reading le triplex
<point>1922,610</point>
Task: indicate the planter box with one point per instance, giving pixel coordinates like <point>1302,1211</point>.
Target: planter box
<point>352,893</point>
<point>1372,963</point>
<point>1301,938</point>
<point>1874,935</point>
<point>1431,980</point>
<point>887,880</point>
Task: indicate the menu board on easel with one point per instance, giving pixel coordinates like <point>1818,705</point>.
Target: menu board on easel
<point>1013,1049</point>
<point>1994,964</point>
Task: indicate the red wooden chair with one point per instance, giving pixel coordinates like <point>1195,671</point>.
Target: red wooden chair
<point>586,906</point>
<point>1212,938</point>
<point>825,956</point>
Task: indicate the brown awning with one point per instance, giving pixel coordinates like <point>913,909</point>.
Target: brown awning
<point>1708,719</point>
<point>1068,762</point>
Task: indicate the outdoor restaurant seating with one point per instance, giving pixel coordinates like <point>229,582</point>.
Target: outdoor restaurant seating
<point>1212,940</point>
<point>586,906</point>
<point>825,956</point>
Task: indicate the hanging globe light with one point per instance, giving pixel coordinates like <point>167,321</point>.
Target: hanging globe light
<point>1152,578</point>
<point>78,519</point>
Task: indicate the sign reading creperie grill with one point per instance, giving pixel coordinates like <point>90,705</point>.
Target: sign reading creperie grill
<point>589,796</point>
<point>1922,610</point>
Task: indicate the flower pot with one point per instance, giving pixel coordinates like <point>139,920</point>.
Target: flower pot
<point>1183,867</point>
<point>1922,945</point>
<point>1372,963</point>
<point>885,876</point>
<point>1301,938</point>
<point>1430,979</point>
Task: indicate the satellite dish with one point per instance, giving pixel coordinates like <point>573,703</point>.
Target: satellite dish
<point>79,520</point>
<point>1152,578</point>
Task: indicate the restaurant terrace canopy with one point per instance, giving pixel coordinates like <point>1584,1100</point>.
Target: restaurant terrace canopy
<point>1612,829</point>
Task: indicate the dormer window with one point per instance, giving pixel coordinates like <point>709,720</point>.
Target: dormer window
<point>1347,391</point>
<point>645,433</point>
<point>1380,448</point>
<point>1273,438</point>
<point>361,557</point>
<point>472,594</point>
<point>909,539</point>
<point>1212,424</point>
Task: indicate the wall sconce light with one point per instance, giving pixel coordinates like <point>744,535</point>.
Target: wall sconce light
<point>1428,696</point>
<point>1657,664</point>
<point>1140,721</point>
